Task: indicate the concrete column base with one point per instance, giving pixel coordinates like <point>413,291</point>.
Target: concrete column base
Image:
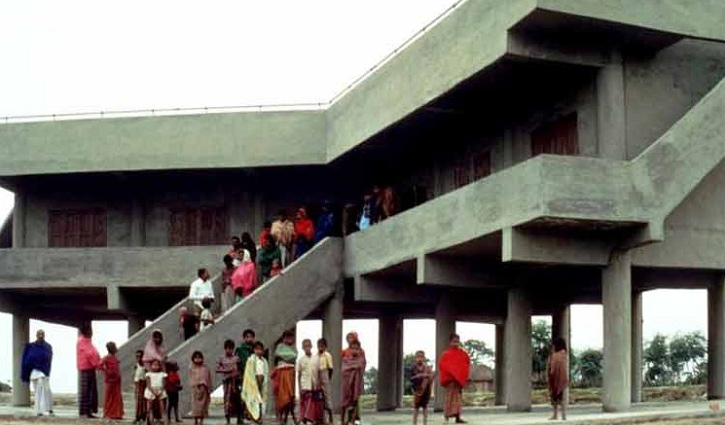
<point>716,341</point>
<point>617,300</point>
<point>517,342</point>
<point>445,326</point>
<point>21,336</point>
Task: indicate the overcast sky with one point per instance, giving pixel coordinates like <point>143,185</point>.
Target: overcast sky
<point>80,56</point>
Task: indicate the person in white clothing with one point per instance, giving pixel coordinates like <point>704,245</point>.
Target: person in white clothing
<point>201,289</point>
<point>35,368</point>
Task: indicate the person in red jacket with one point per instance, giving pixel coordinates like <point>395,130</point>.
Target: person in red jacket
<point>454,369</point>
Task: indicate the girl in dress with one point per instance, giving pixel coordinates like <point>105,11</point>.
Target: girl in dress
<point>155,390</point>
<point>200,383</point>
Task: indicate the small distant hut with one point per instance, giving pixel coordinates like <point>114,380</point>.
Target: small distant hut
<point>480,379</point>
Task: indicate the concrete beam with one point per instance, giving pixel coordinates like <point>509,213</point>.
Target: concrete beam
<point>390,290</point>
<point>21,336</point>
<point>520,245</point>
<point>617,301</point>
<point>450,271</point>
<point>560,50</point>
<point>716,341</point>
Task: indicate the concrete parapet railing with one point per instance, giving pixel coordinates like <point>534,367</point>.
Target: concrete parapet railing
<point>273,308</point>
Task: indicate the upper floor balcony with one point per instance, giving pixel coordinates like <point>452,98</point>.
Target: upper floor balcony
<point>488,44</point>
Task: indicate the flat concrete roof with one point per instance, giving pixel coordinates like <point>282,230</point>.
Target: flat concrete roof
<point>474,36</point>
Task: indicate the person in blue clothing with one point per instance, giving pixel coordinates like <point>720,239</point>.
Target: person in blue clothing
<point>325,223</point>
<point>35,368</point>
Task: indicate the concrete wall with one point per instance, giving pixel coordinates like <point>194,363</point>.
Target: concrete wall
<point>660,89</point>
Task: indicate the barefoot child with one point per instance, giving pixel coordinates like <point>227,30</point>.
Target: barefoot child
<point>308,373</point>
<point>558,372</point>
<point>200,382</point>
<point>173,387</point>
<point>255,383</point>
<point>155,389</point>
<point>113,400</point>
<point>227,367</point>
<point>326,369</point>
<point>421,376</point>
<point>139,379</point>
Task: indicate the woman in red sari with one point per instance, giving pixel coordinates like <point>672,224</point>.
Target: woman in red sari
<point>454,369</point>
<point>304,233</point>
<point>112,400</point>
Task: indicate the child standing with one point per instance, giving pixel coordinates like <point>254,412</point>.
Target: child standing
<point>200,382</point>
<point>276,268</point>
<point>255,384</point>
<point>326,368</point>
<point>206,317</point>
<point>558,372</point>
<point>139,379</point>
<point>113,401</point>
<point>308,367</point>
<point>173,387</point>
<point>421,376</point>
<point>227,366</point>
<point>155,390</point>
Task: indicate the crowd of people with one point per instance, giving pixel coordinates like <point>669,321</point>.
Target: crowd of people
<point>247,371</point>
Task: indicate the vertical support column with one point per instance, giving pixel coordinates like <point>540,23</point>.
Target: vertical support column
<point>135,324</point>
<point>611,117</point>
<point>21,336</point>
<point>399,366</point>
<point>716,340</point>
<point>500,366</point>
<point>387,362</point>
<point>332,331</point>
<point>517,341</point>
<point>19,220</point>
<point>138,223</point>
<point>617,300</point>
<point>636,347</point>
<point>445,326</point>
<point>561,328</point>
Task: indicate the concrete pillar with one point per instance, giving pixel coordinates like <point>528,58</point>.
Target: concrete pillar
<point>332,331</point>
<point>135,324</point>
<point>388,354</point>
<point>716,341</point>
<point>517,343</point>
<point>445,326</point>
<point>21,336</point>
<point>399,364</point>
<point>617,300</point>
<point>637,347</point>
<point>500,366</point>
<point>19,220</point>
<point>561,328</point>
<point>138,223</point>
<point>611,119</point>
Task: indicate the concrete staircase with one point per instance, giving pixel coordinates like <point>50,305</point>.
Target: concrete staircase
<point>278,305</point>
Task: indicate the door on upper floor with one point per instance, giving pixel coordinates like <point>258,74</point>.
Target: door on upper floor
<point>77,228</point>
<point>198,226</point>
<point>558,137</point>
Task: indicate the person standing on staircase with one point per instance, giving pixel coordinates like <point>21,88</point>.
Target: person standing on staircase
<point>283,230</point>
<point>201,289</point>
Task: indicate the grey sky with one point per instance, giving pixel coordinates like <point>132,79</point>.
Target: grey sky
<point>88,55</point>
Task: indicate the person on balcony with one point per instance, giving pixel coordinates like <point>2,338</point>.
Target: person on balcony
<point>268,253</point>
<point>87,361</point>
<point>201,289</point>
<point>304,233</point>
<point>283,230</point>
<point>227,295</point>
<point>35,368</point>
<point>455,368</point>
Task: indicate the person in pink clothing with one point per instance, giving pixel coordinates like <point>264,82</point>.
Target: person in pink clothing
<point>87,361</point>
<point>244,278</point>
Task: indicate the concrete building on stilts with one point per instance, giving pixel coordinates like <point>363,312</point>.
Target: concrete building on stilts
<point>546,153</point>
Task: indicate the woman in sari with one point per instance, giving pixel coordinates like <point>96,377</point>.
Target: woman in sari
<point>353,369</point>
<point>255,384</point>
<point>558,374</point>
<point>112,399</point>
<point>244,278</point>
<point>154,349</point>
<point>455,368</point>
<point>285,358</point>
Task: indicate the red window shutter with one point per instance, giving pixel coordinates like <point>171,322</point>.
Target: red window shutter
<point>559,137</point>
<point>481,165</point>
<point>77,228</point>
<point>461,174</point>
